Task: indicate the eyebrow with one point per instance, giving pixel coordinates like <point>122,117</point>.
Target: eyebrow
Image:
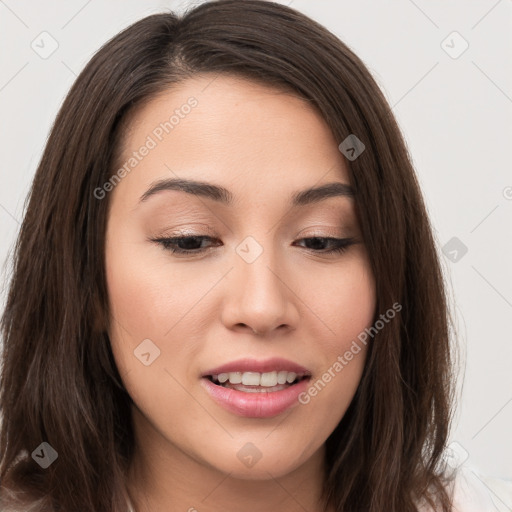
<point>224,196</point>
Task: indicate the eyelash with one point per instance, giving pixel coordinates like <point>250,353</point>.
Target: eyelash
<point>169,244</point>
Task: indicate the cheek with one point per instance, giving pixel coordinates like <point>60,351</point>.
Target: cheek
<point>141,299</point>
<point>148,294</point>
<point>344,301</point>
<point>149,302</point>
<point>344,350</point>
<point>154,298</point>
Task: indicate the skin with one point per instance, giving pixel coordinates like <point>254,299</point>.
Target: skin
<point>200,311</point>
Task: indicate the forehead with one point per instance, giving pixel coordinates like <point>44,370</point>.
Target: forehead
<point>231,131</point>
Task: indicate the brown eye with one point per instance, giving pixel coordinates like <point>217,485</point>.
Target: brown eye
<point>338,245</point>
<point>184,244</point>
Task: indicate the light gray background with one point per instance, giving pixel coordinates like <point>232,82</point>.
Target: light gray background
<point>455,114</point>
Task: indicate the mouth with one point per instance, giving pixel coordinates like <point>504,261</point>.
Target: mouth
<point>256,382</point>
<point>256,389</point>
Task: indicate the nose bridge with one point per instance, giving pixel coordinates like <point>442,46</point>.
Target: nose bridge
<point>258,295</point>
<point>256,261</point>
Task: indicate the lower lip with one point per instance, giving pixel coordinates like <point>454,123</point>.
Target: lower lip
<point>255,405</point>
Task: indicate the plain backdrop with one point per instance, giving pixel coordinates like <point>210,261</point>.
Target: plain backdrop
<point>453,104</point>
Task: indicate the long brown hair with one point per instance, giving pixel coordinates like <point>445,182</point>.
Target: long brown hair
<point>59,381</point>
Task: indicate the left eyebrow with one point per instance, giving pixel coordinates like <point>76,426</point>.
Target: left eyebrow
<point>224,196</point>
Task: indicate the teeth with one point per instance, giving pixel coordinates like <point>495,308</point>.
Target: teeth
<point>267,379</point>
<point>291,377</point>
<point>235,377</point>
<point>251,379</point>
<point>281,377</point>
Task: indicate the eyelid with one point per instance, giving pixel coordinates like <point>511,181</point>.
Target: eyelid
<point>200,230</point>
<point>321,232</point>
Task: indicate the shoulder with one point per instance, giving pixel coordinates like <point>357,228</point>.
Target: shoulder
<point>472,491</point>
<point>475,492</point>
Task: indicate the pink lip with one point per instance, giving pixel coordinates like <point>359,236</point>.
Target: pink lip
<point>253,365</point>
<point>255,405</point>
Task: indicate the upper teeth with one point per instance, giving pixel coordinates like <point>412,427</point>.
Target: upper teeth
<point>256,379</point>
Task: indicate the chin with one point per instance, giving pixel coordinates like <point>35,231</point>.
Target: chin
<point>260,471</point>
<point>259,460</point>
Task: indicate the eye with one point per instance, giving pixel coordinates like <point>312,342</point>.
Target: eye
<point>338,245</point>
<point>183,244</point>
<point>190,245</point>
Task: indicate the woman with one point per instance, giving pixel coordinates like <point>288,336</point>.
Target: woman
<point>226,292</point>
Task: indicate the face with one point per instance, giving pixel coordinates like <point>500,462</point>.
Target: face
<point>261,288</point>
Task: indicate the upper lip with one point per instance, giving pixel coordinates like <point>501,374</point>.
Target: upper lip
<point>260,366</point>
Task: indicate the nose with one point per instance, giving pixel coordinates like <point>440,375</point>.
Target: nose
<point>259,297</point>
